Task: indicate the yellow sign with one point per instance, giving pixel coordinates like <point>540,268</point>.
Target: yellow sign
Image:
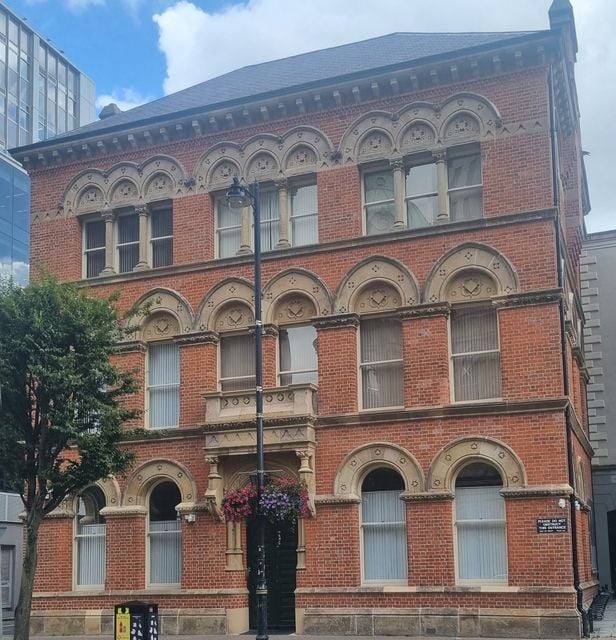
<point>122,624</point>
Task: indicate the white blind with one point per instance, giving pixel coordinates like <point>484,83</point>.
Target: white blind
<point>270,219</point>
<point>475,354</point>
<point>384,535</point>
<point>95,248</point>
<point>128,242</point>
<point>91,540</point>
<point>165,552</point>
<point>298,355</point>
<point>480,524</point>
<point>381,363</point>
<point>164,385</point>
<point>237,362</point>
<point>228,227</point>
<point>162,237</point>
<point>304,215</point>
<point>465,190</point>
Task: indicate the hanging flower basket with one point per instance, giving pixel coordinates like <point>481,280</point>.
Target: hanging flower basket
<point>282,500</point>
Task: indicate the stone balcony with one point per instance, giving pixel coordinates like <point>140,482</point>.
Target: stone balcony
<point>289,414</point>
<point>279,404</point>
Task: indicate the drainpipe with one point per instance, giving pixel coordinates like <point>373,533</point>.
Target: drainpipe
<point>563,345</point>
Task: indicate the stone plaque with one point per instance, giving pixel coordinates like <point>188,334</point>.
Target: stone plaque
<point>552,525</point>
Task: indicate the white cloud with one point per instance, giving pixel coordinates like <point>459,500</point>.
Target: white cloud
<point>126,98</point>
<point>78,6</point>
<point>199,45</point>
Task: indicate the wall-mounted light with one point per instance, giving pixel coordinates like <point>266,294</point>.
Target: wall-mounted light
<point>562,503</point>
<point>190,517</point>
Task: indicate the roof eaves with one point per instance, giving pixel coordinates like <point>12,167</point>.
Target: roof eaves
<point>227,104</point>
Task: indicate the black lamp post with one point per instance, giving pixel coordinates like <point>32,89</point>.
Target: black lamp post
<point>239,197</point>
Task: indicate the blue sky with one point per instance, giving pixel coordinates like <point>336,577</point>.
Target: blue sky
<point>138,50</point>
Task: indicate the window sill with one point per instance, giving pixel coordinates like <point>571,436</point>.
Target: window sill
<point>457,403</point>
<point>380,409</point>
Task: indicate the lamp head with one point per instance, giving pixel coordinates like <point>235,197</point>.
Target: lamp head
<point>237,196</point>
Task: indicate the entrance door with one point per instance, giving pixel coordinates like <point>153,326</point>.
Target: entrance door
<point>280,564</point>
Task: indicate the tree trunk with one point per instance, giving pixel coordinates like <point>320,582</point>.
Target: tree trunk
<point>24,604</point>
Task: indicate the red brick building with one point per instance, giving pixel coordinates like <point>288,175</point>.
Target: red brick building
<point>422,198</point>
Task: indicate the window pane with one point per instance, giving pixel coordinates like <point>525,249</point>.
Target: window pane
<point>95,235</point>
<point>228,226</point>
<point>129,257</point>
<point>128,229</point>
<point>477,377</point>
<point>482,549</point>
<point>464,172</point>
<point>165,535</point>
<point>91,543</point>
<point>304,215</point>
<point>95,263</point>
<point>381,363</point>
<point>164,385</point>
<point>270,230</point>
<point>466,204</point>
<point>378,187</point>
<point>380,218</point>
<point>421,212</point>
<point>162,223</point>
<point>298,355</point>
<point>162,252</point>
<point>237,363</point>
<point>474,330</point>
<point>421,180</point>
<point>384,534</point>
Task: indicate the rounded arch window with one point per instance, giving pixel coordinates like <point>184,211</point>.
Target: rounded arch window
<point>480,524</point>
<point>383,526</point>
<point>164,534</point>
<point>90,537</point>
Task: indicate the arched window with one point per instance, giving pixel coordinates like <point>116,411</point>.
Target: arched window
<point>164,534</point>
<point>90,538</point>
<point>163,385</point>
<point>383,525</point>
<point>480,524</point>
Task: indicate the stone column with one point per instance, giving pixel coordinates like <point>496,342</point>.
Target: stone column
<point>245,231</point>
<point>143,213</point>
<point>283,210</point>
<point>108,216</point>
<point>397,166</point>
<point>440,157</point>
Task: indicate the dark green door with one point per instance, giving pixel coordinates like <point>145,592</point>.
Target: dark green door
<point>280,563</point>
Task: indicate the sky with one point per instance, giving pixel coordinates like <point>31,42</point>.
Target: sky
<point>139,50</point>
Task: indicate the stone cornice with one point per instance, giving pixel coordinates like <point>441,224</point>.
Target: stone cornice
<point>124,512</point>
<point>338,321</point>
<point>549,296</point>
<point>132,346</point>
<point>348,244</point>
<point>202,337</point>
<point>526,51</point>
<point>427,496</point>
<point>539,491</point>
<point>332,499</point>
<point>485,588</point>
<point>424,310</point>
<point>445,411</point>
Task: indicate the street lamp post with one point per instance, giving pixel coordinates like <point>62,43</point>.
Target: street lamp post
<point>239,197</point>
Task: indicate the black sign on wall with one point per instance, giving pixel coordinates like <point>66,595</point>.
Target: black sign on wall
<point>552,525</point>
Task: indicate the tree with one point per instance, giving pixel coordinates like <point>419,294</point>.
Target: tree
<point>61,415</point>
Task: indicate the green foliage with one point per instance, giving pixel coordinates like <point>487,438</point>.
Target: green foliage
<point>60,415</point>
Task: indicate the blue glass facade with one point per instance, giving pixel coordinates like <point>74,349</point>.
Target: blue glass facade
<point>14,221</point>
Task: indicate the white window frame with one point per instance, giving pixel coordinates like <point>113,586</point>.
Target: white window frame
<point>147,385</point>
<point>280,372</point>
<point>370,169</point>
<point>84,243</point>
<point>402,524</point>
<point>298,184</point>
<point>456,154</point>
<point>409,166</point>
<point>152,239</point>
<point>236,334</point>
<point>221,199</point>
<point>452,389</point>
<point>117,245</point>
<point>456,551</point>
<point>360,364</point>
<point>75,554</point>
<point>148,545</point>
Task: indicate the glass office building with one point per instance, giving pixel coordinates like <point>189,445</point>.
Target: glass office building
<point>14,220</point>
<point>41,93</point>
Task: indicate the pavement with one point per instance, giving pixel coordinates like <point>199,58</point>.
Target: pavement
<point>606,628</point>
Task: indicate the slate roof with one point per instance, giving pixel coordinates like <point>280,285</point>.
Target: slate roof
<point>299,71</point>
